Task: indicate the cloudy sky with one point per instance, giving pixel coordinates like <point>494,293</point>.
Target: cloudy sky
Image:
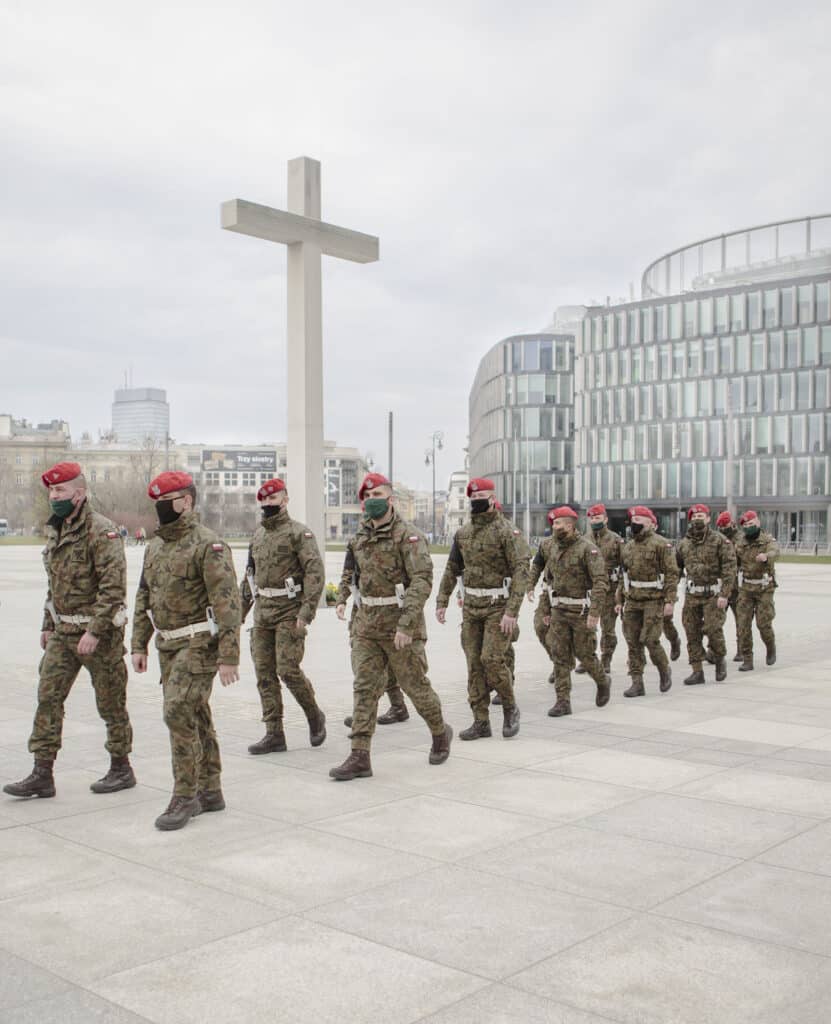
<point>512,157</point>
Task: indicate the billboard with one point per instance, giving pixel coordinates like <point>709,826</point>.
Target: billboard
<point>231,460</point>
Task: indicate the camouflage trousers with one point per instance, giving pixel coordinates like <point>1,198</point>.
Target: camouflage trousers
<point>570,637</point>
<point>761,607</point>
<point>371,660</point>
<point>487,650</point>
<point>277,652</point>
<point>187,679</point>
<point>541,627</point>
<point>58,670</point>
<point>643,623</point>
<point>733,604</point>
<point>608,625</point>
<point>700,617</point>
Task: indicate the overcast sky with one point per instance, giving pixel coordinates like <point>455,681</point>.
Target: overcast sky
<point>512,157</point>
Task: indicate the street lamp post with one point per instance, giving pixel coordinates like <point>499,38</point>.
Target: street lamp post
<point>430,459</point>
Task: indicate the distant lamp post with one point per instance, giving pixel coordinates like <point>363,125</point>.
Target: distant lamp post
<point>430,460</point>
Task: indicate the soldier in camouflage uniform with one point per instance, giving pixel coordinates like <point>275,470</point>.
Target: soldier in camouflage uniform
<point>397,711</point>
<point>188,594</point>
<point>610,545</point>
<point>727,528</point>
<point>645,596</point>
<point>756,553</point>
<point>394,578</point>
<point>709,563</point>
<point>285,576</point>
<point>671,633</point>
<point>578,587</point>
<point>510,656</point>
<point>490,556</point>
<point>83,625</point>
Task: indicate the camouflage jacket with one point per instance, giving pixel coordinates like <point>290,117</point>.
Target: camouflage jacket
<point>707,559</point>
<point>86,572</point>
<point>750,569</point>
<point>485,552</point>
<point>282,549</point>
<point>648,558</point>
<point>187,568</point>
<point>394,553</point>
<point>573,568</point>
<point>731,538</point>
<point>611,545</point>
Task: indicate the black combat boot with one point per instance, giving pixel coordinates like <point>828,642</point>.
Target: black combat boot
<point>604,691</point>
<point>317,728</point>
<point>738,656</point>
<point>696,677</point>
<point>562,707</point>
<point>481,729</point>
<point>581,670</point>
<point>636,688</point>
<point>496,699</point>
<point>356,766</point>
<point>440,751</point>
<point>721,669</point>
<point>675,649</point>
<point>210,800</point>
<point>179,812</point>
<point>40,783</point>
<point>120,776</point>
<point>271,743</point>
<point>666,679</point>
<point>747,664</point>
<point>510,721</point>
<point>770,658</point>
<point>709,656</point>
<point>396,713</point>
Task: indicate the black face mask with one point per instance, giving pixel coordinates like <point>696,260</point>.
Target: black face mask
<point>271,510</point>
<point>479,505</point>
<point>165,511</point>
<point>697,529</point>
<point>751,532</point>
<point>636,528</point>
<point>597,527</point>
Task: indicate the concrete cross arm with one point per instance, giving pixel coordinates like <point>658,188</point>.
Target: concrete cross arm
<point>290,228</point>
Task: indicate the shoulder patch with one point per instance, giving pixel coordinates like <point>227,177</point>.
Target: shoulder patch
<point>516,533</point>
<point>595,551</point>
<point>307,533</point>
<point>217,547</point>
<point>412,540</point>
<point>112,534</point>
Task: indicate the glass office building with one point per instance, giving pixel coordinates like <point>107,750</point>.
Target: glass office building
<point>715,386</point>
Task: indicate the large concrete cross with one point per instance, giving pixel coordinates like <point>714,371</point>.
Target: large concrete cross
<point>307,238</point>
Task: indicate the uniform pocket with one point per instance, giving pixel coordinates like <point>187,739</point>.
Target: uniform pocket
<point>202,654</point>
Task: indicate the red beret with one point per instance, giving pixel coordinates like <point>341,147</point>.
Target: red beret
<point>724,519</point>
<point>166,483</point>
<point>480,483</point>
<point>642,510</point>
<point>750,514</point>
<point>372,480</point>
<point>550,515</point>
<point>597,510</point>
<point>691,511</point>
<point>61,473</point>
<point>561,512</point>
<point>270,487</point>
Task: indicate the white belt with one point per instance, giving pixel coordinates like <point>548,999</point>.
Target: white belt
<point>614,575</point>
<point>379,602</point>
<point>492,592</point>
<point>75,620</point>
<point>704,588</point>
<point>762,581</point>
<point>571,602</point>
<point>191,630</point>
<point>285,592</point>
<point>646,584</point>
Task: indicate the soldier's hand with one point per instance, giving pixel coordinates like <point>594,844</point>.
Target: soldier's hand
<point>668,608</point>
<point>507,624</point>
<point>401,640</point>
<point>530,595</point>
<point>300,627</point>
<point>340,611</point>
<point>592,621</point>
<point>139,662</point>
<point>441,614</point>
<point>87,644</point>
<point>761,557</point>
<point>546,619</point>
<point>618,609</point>
<point>460,601</point>
<point>228,674</point>
<point>722,603</point>
<point>44,638</point>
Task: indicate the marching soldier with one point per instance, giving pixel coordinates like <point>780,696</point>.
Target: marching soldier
<point>610,545</point>
<point>285,576</point>
<point>578,586</point>
<point>510,657</point>
<point>756,553</point>
<point>83,626</point>
<point>395,577</point>
<point>709,563</point>
<point>490,556</point>
<point>727,528</point>
<point>645,596</point>
<point>188,595</point>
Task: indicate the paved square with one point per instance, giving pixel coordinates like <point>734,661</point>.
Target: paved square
<point>662,859</point>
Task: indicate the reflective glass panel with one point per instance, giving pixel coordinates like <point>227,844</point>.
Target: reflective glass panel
<point>798,433</point>
<point>661,323</point>
<point>763,435</point>
<point>786,391</point>
<point>637,362</point>
<point>532,355</point>
<point>632,326</point>
<point>678,359</point>
<point>765,477</point>
<point>717,484</point>
<point>792,348</point>
<point>821,389</point>
<point>654,441</point>
<point>649,363</point>
<point>705,316</point>
<point>658,480</point>
<point>698,439</point>
<point>783,477</point>
<point>805,296</point>
<point>660,400</point>
<point>705,397</point>
<point>802,477</point>
<point>546,356</point>
<point>822,297</point>
<point>690,318</point>
<point>780,434</point>
<point>675,320</point>
<point>646,325</point>
<point>751,394</point>
<point>776,354</point>
<point>758,345</point>
<point>702,479</point>
<point>690,398</point>
<point>643,398</point>
<point>742,353</point>
<point>622,337</point>
<point>693,358</point>
<point>720,397</point>
<point>686,479</point>
<point>769,392</point>
<point>803,389</point>
<point>825,346</point>
<point>771,307</point>
<point>810,346</point>
<point>754,310</point>
<point>672,480</point>
<point>664,362</point>
<point>628,444</point>
<point>749,472</point>
<point>709,364</point>
<point>818,482</point>
<point>726,351</point>
<point>788,306</point>
<point>722,314</point>
<point>714,427</point>
<point>737,313</point>
<point>814,438</point>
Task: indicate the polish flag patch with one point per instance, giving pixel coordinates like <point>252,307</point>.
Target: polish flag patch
<point>112,534</point>
<point>308,533</point>
<point>413,540</point>
<point>217,547</point>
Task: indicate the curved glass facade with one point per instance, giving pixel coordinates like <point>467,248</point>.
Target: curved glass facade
<point>522,425</point>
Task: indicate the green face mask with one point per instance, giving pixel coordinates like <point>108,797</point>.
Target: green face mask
<point>376,508</point>
<point>751,531</point>
<point>62,508</point>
